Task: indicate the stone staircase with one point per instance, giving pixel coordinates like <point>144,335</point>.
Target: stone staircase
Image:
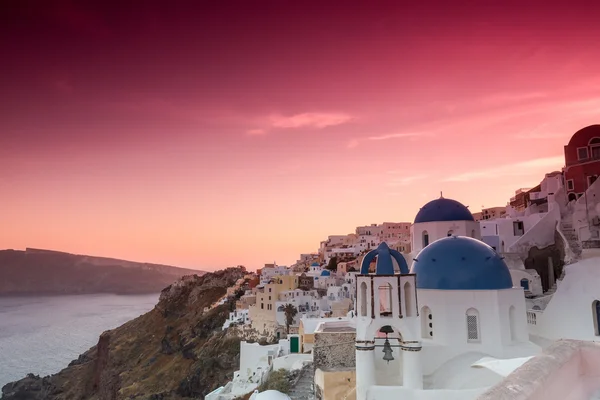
<point>566,227</point>
<point>303,388</point>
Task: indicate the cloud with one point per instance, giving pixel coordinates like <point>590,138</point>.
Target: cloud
<point>503,98</point>
<point>356,141</point>
<point>541,133</point>
<point>256,132</point>
<point>540,165</point>
<point>313,120</point>
<point>396,136</point>
<point>405,180</point>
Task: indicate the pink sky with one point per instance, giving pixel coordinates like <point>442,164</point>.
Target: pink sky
<point>245,134</point>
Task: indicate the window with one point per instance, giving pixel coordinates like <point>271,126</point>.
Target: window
<point>595,152</point>
<point>385,300</point>
<point>426,323</point>
<point>512,320</point>
<point>450,232</point>
<point>518,228</point>
<point>591,179</point>
<point>525,283</point>
<point>570,185</point>
<point>582,153</point>
<point>473,326</point>
<point>363,299</point>
<point>408,296</point>
<point>473,233</point>
<point>572,196</point>
<point>596,316</point>
<point>425,239</point>
<point>262,306</point>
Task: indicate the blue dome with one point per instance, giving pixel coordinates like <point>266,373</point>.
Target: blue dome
<point>325,273</point>
<point>460,263</point>
<point>443,210</point>
<point>384,264</point>
<point>315,264</point>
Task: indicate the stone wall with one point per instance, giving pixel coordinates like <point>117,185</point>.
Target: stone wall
<point>334,350</point>
<point>335,385</point>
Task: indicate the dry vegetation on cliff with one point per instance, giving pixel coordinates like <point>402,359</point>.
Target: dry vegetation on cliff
<point>175,351</point>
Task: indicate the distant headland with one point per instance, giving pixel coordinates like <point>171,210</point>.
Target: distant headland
<point>47,272</point>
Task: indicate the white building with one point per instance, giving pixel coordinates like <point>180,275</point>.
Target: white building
<point>240,317</point>
<point>441,218</point>
<point>315,269</point>
<point>461,278</point>
<point>307,302</point>
<point>409,341</point>
<point>256,364</point>
<point>326,280</point>
<point>271,270</point>
<point>367,242</point>
<point>573,311</point>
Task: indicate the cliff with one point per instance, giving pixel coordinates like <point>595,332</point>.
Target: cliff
<point>35,272</point>
<point>175,351</point>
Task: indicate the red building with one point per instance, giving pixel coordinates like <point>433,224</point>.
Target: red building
<point>582,161</point>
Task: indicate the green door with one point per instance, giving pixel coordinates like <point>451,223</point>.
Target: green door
<point>294,344</point>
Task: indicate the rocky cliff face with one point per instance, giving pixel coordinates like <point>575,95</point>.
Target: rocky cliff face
<point>175,351</point>
<point>35,272</point>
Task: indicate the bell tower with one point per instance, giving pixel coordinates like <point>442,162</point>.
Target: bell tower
<point>388,324</point>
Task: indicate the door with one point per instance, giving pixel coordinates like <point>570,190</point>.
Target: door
<point>294,344</point>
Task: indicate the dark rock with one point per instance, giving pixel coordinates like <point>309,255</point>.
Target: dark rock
<point>175,351</point>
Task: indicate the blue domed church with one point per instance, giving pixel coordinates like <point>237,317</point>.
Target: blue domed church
<point>468,304</point>
<point>438,325</point>
<point>442,218</point>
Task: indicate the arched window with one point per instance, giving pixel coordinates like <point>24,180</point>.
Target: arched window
<point>572,196</point>
<point>363,299</point>
<point>512,320</point>
<point>596,316</point>
<point>425,239</point>
<point>450,232</point>
<point>426,323</point>
<point>408,299</point>
<point>473,335</point>
<point>385,300</point>
<point>473,233</point>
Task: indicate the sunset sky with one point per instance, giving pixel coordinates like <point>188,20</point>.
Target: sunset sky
<point>215,133</point>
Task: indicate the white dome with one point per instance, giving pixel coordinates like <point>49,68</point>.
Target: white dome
<point>269,395</point>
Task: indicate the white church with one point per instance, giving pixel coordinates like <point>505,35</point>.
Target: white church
<point>466,331</point>
<point>457,324</point>
<point>419,332</point>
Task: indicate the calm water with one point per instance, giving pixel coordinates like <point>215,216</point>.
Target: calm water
<point>43,335</point>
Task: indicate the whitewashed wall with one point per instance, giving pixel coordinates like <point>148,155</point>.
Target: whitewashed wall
<point>570,314</point>
<point>448,309</point>
<point>439,230</point>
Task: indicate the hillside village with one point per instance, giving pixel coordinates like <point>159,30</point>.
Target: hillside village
<point>459,305</point>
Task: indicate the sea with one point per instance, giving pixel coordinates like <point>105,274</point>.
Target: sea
<point>42,335</point>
